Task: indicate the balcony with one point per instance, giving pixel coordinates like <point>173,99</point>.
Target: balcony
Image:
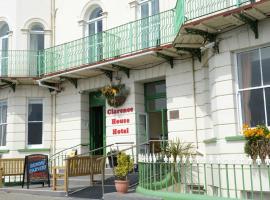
<point>205,19</point>
<point>113,44</point>
<point>190,25</point>
<point>19,64</point>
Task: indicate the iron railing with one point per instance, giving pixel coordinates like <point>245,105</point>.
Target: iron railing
<point>198,8</point>
<point>20,63</point>
<point>155,30</point>
<point>235,179</point>
<point>128,38</point>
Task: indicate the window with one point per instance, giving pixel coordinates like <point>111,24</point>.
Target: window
<point>254,86</point>
<point>3,123</point>
<point>148,7</point>
<point>150,26</point>
<point>36,44</point>
<point>155,96</point>
<point>36,37</point>
<point>35,121</point>
<point>95,28</point>
<point>4,31</point>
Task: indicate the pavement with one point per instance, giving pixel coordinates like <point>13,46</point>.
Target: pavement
<point>110,196</point>
<point>79,190</point>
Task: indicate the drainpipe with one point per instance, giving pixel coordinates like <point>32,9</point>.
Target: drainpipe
<point>47,86</point>
<point>53,135</point>
<point>53,14</point>
<point>194,104</point>
<point>53,94</point>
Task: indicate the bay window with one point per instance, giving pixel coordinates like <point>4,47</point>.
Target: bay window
<point>254,86</point>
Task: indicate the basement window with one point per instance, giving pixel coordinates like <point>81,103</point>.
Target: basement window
<point>35,122</point>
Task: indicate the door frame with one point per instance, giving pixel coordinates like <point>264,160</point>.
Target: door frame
<point>99,102</point>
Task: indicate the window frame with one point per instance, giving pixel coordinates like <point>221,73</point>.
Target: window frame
<point>36,32</point>
<point>238,90</point>
<point>27,124</point>
<point>93,21</point>
<point>4,102</point>
<point>149,2</point>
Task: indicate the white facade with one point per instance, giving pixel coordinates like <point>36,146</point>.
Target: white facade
<point>204,94</point>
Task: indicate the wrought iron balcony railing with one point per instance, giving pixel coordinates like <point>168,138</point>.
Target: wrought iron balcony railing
<point>128,38</point>
<point>20,63</point>
<point>198,8</point>
<point>132,37</point>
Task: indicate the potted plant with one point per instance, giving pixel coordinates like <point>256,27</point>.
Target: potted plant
<point>257,141</point>
<point>115,94</point>
<point>124,166</point>
<point>112,157</point>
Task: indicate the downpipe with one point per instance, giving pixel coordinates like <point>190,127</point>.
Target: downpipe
<point>194,104</point>
<point>48,86</point>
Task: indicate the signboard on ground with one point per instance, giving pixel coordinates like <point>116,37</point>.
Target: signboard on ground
<point>36,170</point>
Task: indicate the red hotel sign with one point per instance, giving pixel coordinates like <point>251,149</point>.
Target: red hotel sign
<point>116,121</point>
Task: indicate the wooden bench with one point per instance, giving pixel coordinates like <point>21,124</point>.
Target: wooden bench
<point>78,166</point>
<point>11,167</point>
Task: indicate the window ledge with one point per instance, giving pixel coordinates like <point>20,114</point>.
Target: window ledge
<point>210,141</point>
<point>235,138</point>
<point>4,151</point>
<point>34,150</point>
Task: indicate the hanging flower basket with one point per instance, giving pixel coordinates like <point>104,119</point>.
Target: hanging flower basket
<point>257,142</point>
<point>115,95</point>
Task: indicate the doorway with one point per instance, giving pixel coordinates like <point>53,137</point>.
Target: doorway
<point>156,110</point>
<point>97,117</point>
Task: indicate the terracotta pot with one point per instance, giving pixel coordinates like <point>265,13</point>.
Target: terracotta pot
<point>121,186</point>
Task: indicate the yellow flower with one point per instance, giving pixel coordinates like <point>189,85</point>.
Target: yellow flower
<point>245,126</point>
<point>260,132</point>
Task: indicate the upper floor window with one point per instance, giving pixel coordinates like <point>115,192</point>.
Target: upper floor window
<point>35,121</point>
<point>254,86</point>
<point>3,123</point>
<point>4,31</point>
<point>37,37</point>
<point>95,24</point>
<point>148,8</point>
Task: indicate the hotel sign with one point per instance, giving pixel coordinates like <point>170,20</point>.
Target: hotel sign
<point>119,121</point>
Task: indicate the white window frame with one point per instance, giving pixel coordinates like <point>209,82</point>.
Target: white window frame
<point>4,102</point>
<point>40,100</point>
<point>140,2</point>
<point>101,18</point>
<point>238,90</point>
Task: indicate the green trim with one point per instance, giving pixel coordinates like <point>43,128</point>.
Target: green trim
<point>4,151</point>
<point>235,138</point>
<point>210,141</point>
<point>34,150</point>
<point>178,196</point>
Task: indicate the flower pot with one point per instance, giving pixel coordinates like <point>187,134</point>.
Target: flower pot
<point>121,186</point>
<point>116,101</point>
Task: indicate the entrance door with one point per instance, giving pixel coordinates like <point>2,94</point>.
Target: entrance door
<point>97,123</point>
<point>156,109</point>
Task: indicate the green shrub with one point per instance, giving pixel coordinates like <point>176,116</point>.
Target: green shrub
<point>124,166</point>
